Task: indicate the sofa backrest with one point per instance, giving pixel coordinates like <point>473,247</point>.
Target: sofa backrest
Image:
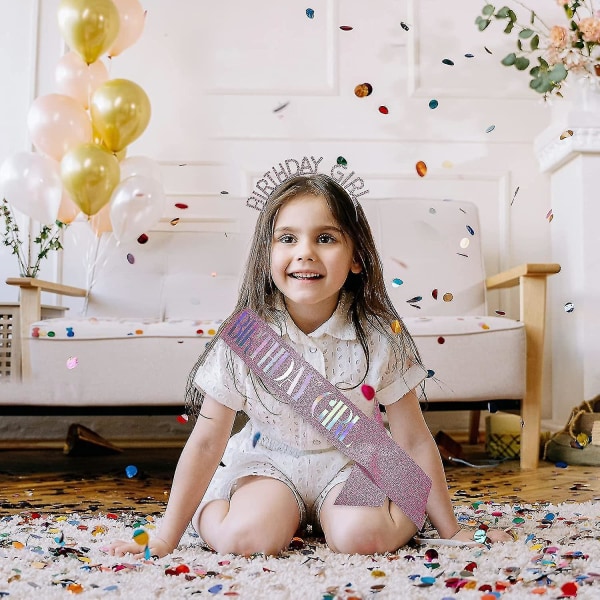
<point>431,249</point>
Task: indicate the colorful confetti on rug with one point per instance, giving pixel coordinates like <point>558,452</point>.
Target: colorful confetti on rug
<point>556,554</point>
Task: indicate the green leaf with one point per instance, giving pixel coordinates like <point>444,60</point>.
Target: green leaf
<point>483,24</point>
<point>526,33</point>
<point>509,27</point>
<point>522,63</point>
<point>509,59</point>
<point>558,73</point>
<point>520,45</point>
<point>532,18</point>
<point>512,16</point>
<point>535,42</point>
<point>503,13</point>
<point>488,10</point>
<point>535,71</point>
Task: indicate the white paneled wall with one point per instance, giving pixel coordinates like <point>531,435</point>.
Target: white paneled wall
<point>238,86</point>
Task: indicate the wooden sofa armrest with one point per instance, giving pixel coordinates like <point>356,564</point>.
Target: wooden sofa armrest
<point>31,311</point>
<point>513,276</point>
<point>532,281</point>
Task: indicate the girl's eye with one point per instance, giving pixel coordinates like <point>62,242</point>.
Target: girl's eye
<point>286,239</point>
<point>325,238</point>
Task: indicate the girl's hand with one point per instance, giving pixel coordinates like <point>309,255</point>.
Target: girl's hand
<point>158,547</point>
<point>494,535</point>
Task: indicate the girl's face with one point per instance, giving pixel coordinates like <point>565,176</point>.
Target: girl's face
<point>310,260</point>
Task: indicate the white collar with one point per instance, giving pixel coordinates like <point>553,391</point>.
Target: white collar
<point>339,325</point>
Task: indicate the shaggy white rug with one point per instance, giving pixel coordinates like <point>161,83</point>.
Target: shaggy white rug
<point>556,555</point>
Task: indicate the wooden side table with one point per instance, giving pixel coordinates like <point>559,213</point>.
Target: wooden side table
<point>29,311</point>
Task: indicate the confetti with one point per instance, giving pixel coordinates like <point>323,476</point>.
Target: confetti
<point>341,161</point>
<point>514,195</point>
<point>566,134</point>
<point>397,282</point>
<point>310,13</point>
<point>72,362</point>
<point>142,239</point>
<point>421,168</point>
<point>131,471</point>
<point>368,392</point>
<point>434,294</point>
<point>396,327</point>
<point>130,258</point>
<point>181,205</point>
<point>569,307</point>
<point>464,243</point>
<point>415,299</point>
<point>363,89</point>
<point>224,192</point>
<point>276,110</point>
<point>470,230</point>
<point>487,50</point>
<point>255,439</point>
<point>404,26</point>
<point>447,61</point>
<point>383,110</point>
<point>550,216</point>
<point>141,537</point>
<point>447,297</point>
<point>441,340</point>
<point>174,221</point>
<point>346,27</point>
<point>469,55</point>
<point>433,104</point>
<point>490,129</point>
<point>182,419</point>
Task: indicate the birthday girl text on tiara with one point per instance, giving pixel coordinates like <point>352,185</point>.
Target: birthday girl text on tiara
<point>307,166</point>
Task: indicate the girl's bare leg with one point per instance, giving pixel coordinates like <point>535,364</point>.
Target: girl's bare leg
<point>364,529</point>
<point>262,516</point>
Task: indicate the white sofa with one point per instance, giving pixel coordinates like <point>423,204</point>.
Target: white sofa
<point>146,323</point>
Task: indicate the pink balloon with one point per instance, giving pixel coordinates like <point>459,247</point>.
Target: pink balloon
<point>68,210</point>
<point>136,204</point>
<point>75,78</point>
<point>131,24</point>
<point>57,124</point>
<point>31,183</point>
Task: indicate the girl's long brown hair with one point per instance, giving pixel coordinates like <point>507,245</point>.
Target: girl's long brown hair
<point>371,305</point>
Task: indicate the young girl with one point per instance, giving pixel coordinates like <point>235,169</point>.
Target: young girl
<point>314,275</point>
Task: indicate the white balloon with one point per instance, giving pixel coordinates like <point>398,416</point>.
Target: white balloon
<point>31,183</point>
<point>140,165</point>
<point>137,204</point>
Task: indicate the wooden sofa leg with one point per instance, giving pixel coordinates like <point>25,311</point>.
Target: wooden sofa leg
<point>474,418</point>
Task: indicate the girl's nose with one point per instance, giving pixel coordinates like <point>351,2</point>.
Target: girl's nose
<point>304,251</point>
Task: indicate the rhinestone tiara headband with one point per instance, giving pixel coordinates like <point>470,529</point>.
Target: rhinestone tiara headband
<point>275,176</point>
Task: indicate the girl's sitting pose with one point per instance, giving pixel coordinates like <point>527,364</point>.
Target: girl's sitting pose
<point>314,275</point>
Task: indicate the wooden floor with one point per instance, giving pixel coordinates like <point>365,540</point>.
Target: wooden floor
<point>49,481</point>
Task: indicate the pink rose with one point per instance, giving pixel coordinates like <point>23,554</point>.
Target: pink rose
<point>590,29</point>
<point>559,36</point>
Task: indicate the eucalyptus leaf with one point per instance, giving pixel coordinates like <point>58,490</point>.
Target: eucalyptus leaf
<point>526,33</point>
<point>522,63</point>
<point>535,42</point>
<point>509,59</point>
<point>488,10</point>
<point>503,13</point>
<point>509,27</point>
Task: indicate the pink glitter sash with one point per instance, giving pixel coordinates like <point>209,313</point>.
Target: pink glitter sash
<point>381,467</point>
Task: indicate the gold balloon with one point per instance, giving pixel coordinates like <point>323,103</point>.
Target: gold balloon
<point>120,112</point>
<point>88,26</point>
<point>90,174</point>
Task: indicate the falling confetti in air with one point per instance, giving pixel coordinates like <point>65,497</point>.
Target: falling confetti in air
<point>383,110</point>
<point>550,216</point>
<point>310,13</point>
<point>341,161</point>
<point>396,326</point>
<point>404,26</point>
<point>397,282</point>
<point>569,307</point>
<point>346,27</point>
<point>514,195</point>
<point>255,439</point>
<point>447,297</point>
<point>470,230</point>
<point>447,61</point>
<point>566,134</point>
<point>72,362</point>
<point>130,258</point>
<point>182,419</point>
<point>278,109</point>
<point>469,55</point>
<point>421,168</point>
<point>363,90</point>
<point>131,471</point>
<point>174,221</point>
<point>490,129</point>
<point>181,205</point>
<point>142,239</point>
<point>433,104</point>
<point>487,50</point>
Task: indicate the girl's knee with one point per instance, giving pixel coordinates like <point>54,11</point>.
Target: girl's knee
<point>245,539</point>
